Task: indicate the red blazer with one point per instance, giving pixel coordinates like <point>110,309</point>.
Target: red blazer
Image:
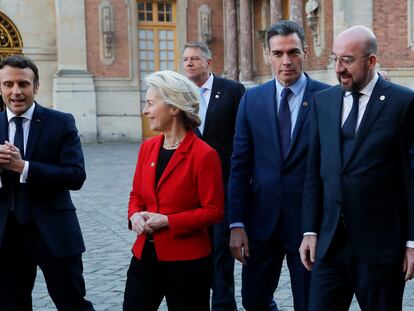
<point>190,192</point>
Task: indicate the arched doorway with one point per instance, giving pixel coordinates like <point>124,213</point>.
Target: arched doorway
<point>10,41</point>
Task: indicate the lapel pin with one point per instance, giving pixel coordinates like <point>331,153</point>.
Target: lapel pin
<point>382,97</point>
<point>217,96</point>
<point>37,120</point>
<point>152,164</point>
<point>305,104</point>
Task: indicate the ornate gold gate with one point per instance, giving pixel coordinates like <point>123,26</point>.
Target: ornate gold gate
<point>10,38</point>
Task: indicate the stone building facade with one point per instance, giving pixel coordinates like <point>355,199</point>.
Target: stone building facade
<point>93,55</point>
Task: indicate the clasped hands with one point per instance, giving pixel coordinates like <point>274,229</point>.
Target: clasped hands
<point>148,222</point>
<point>10,158</point>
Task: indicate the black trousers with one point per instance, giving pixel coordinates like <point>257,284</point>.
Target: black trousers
<point>335,279</point>
<point>22,251</point>
<point>223,269</point>
<point>184,284</point>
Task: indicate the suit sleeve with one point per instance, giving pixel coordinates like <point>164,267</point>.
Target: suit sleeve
<point>409,145</point>
<point>312,192</point>
<point>67,171</point>
<point>136,203</point>
<point>241,165</point>
<point>211,196</point>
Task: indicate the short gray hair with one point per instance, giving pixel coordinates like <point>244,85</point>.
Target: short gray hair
<point>178,91</point>
<point>200,45</point>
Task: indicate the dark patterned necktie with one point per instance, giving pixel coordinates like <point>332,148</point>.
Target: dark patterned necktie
<point>18,136</point>
<point>285,124</point>
<point>349,128</point>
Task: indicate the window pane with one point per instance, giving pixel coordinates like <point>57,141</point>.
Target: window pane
<point>141,6</point>
<point>150,45</point>
<point>163,45</point>
<point>143,55</point>
<point>141,16</point>
<point>162,34</point>
<point>149,16</point>
<point>170,45</point>
<point>151,66</point>
<point>163,55</point>
<point>168,17</point>
<point>168,7</point>
<point>170,35</point>
<point>150,34</point>
<point>149,6</point>
<point>142,65</point>
<point>150,55</point>
<point>161,17</point>
<point>161,7</point>
<point>163,65</point>
<point>171,55</point>
<point>171,65</point>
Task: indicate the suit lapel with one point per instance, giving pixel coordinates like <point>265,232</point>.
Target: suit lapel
<point>36,125</point>
<point>4,127</point>
<point>335,116</point>
<point>178,156</point>
<point>376,103</point>
<point>215,100</point>
<point>268,100</point>
<point>303,112</point>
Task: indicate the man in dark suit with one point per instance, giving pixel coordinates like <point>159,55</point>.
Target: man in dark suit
<point>218,108</point>
<point>38,224</point>
<point>267,173</point>
<point>358,205</point>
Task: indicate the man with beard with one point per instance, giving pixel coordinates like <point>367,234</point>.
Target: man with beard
<point>358,205</point>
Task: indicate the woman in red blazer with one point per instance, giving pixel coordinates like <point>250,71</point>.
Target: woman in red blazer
<point>177,192</point>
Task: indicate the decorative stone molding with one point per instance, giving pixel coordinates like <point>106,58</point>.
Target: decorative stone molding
<point>410,24</point>
<point>106,27</point>
<point>316,21</point>
<point>204,24</point>
<point>10,38</point>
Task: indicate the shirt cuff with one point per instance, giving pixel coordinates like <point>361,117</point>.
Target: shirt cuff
<point>23,175</point>
<point>236,225</point>
<point>310,233</point>
<point>410,244</point>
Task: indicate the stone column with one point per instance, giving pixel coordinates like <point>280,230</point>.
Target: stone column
<point>276,11</point>
<point>73,85</point>
<point>295,11</point>
<point>232,55</point>
<point>246,42</point>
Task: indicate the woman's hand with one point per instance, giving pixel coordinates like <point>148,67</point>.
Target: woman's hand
<point>154,220</point>
<point>138,224</point>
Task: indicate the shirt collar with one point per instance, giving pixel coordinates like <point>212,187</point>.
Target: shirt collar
<point>367,90</point>
<point>28,114</point>
<point>209,83</point>
<point>296,87</point>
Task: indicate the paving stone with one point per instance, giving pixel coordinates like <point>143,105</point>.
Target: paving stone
<point>102,211</point>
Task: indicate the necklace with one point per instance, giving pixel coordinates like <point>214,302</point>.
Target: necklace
<point>173,146</point>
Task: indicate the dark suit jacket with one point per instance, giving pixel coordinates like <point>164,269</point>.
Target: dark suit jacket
<point>374,188</point>
<point>56,165</point>
<point>190,192</point>
<point>261,182</point>
<point>221,119</point>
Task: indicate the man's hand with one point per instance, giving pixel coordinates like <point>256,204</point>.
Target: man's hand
<point>307,251</point>
<point>155,221</point>
<point>239,244</point>
<point>16,163</point>
<point>5,155</point>
<point>138,224</point>
<point>408,264</point>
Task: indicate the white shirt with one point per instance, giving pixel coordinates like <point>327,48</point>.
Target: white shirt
<point>27,115</point>
<point>208,86</point>
<point>363,101</point>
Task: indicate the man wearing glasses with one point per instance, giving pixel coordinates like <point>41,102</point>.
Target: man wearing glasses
<point>358,205</point>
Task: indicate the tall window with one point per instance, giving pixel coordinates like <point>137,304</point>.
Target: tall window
<point>157,43</point>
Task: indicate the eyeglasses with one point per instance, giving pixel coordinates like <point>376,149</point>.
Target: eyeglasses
<point>344,60</point>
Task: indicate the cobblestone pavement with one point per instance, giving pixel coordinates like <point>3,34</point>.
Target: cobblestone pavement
<point>102,206</point>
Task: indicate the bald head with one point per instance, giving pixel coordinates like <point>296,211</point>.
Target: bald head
<point>355,49</point>
<point>360,36</point>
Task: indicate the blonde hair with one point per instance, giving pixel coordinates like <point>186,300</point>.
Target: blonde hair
<point>177,90</point>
